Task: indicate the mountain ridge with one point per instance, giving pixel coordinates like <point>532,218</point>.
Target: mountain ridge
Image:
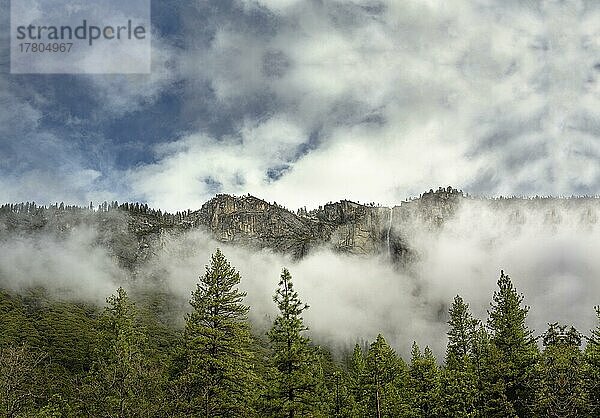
<point>134,232</point>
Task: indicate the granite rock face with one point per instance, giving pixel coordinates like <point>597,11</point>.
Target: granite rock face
<point>344,226</point>
<point>134,233</point>
<point>251,221</point>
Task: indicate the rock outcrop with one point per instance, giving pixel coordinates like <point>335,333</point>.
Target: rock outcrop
<point>134,232</point>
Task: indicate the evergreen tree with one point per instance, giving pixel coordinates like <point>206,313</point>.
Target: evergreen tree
<point>333,388</point>
<point>19,379</point>
<point>218,378</point>
<point>560,375</point>
<point>592,368</point>
<point>490,398</point>
<point>514,351</point>
<point>424,382</point>
<point>122,381</point>
<point>462,328</point>
<point>356,373</point>
<point>342,404</point>
<point>295,381</point>
<point>459,380</point>
<point>16,328</point>
<point>384,382</point>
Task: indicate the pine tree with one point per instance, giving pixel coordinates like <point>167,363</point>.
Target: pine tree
<point>356,372</point>
<point>384,382</point>
<point>514,351</point>
<point>462,328</point>
<point>561,389</point>
<point>295,381</point>
<point>122,382</point>
<point>218,378</point>
<point>424,382</point>
<point>333,389</point>
<point>490,396</point>
<point>459,380</point>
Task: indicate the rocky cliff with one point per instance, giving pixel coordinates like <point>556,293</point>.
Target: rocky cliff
<point>345,226</point>
<point>134,232</point>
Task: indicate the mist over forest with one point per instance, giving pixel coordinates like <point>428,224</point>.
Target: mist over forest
<point>548,246</point>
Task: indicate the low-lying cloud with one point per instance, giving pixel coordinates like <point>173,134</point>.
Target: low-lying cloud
<point>72,267</point>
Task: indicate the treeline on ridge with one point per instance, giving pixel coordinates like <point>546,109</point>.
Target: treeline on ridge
<point>31,208</point>
<point>66,359</point>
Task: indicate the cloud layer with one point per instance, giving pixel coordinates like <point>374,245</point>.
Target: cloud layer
<point>391,98</point>
<point>306,102</point>
<point>550,250</point>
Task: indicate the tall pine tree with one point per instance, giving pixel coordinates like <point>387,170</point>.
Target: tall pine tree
<point>514,349</point>
<point>561,389</point>
<point>459,378</point>
<point>424,382</point>
<point>592,367</point>
<point>294,391</point>
<point>122,382</point>
<point>384,383</point>
<point>356,373</point>
<point>218,378</point>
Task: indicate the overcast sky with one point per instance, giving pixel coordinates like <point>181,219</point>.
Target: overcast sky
<point>303,102</point>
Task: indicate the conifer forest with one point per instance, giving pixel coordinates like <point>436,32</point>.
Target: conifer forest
<point>67,359</point>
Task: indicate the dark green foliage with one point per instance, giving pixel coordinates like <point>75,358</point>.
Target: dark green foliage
<point>424,382</point>
<point>332,394</point>
<point>16,326</point>
<point>458,392</point>
<point>122,381</point>
<point>218,379</point>
<point>592,368</point>
<point>356,375</point>
<point>71,359</point>
<point>68,335</point>
<point>462,328</point>
<point>294,380</point>
<point>20,374</point>
<point>384,382</point>
<point>561,392</point>
<point>513,352</point>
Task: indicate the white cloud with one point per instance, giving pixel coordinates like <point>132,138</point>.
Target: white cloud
<point>72,267</point>
<point>380,100</point>
<point>198,166</point>
<point>490,97</point>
